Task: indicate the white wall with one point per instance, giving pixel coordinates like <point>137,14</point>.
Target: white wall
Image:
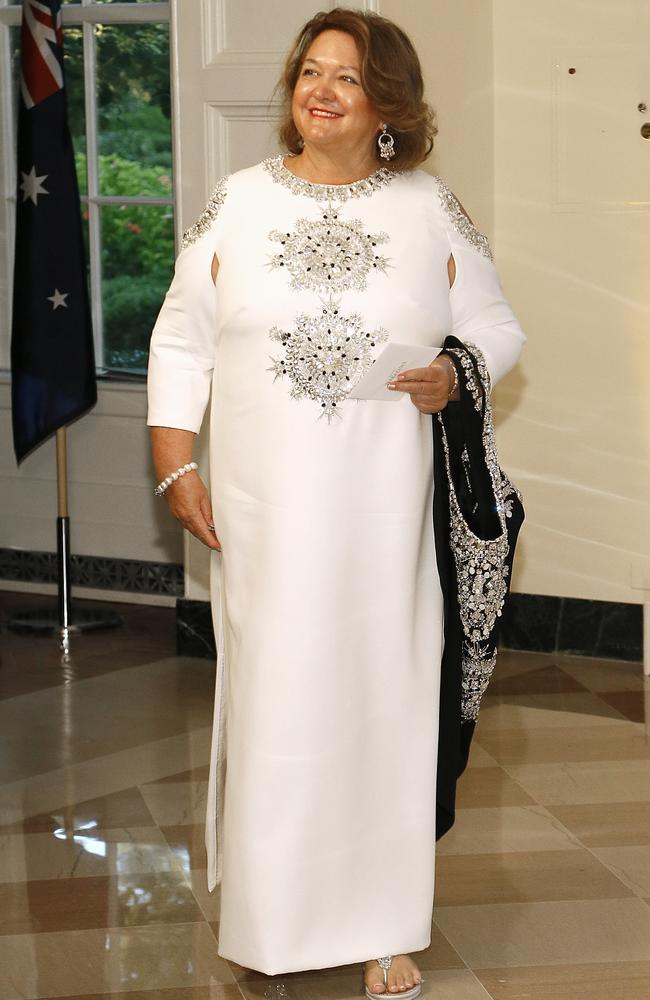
<point>112,508</point>
<point>572,231</point>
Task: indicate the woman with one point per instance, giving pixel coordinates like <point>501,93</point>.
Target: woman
<point>327,600</point>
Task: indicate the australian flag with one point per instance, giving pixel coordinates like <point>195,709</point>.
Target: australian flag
<point>52,356</point>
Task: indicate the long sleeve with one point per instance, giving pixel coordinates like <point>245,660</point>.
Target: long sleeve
<point>480,312</point>
<point>182,349</point>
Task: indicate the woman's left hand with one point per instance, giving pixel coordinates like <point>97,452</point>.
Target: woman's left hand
<point>429,387</point>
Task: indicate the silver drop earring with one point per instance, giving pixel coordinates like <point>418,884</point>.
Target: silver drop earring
<point>386,144</point>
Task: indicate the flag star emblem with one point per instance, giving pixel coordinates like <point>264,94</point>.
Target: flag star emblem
<point>58,299</point>
<point>32,185</point>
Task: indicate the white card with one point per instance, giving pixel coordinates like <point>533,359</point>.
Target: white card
<point>394,358</point>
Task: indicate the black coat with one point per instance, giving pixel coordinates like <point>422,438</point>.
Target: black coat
<point>477,514</point>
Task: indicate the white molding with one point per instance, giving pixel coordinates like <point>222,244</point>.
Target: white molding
<point>216,54</point>
<point>217,119</point>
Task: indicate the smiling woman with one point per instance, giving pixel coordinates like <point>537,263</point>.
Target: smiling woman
<point>324,799</point>
<point>377,58</point>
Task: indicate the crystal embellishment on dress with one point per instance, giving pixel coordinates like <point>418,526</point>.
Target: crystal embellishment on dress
<point>329,254</point>
<point>327,192</point>
<point>461,223</point>
<point>207,216</point>
<point>325,356</point>
<point>327,352</point>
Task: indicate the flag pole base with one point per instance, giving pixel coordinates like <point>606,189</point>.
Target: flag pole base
<point>41,621</point>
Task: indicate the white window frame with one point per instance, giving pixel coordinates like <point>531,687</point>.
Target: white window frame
<point>87,13</point>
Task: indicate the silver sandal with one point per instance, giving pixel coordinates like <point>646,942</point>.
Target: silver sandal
<point>385,964</point>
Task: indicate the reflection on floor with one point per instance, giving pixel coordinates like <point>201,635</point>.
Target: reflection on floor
<point>542,887</point>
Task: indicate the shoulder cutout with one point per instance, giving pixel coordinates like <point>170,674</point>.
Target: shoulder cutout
<point>208,215</point>
<point>461,221</point>
<point>214,269</point>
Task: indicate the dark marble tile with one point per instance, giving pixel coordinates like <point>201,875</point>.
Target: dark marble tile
<point>601,628</point>
<point>546,680</point>
<point>127,900</point>
<point>199,773</point>
<point>631,704</point>
<point>530,622</point>
<point>125,808</point>
<point>32,663</point>
<point>194,629</point>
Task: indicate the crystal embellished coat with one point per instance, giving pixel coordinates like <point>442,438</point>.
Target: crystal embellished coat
<point>329,595</point>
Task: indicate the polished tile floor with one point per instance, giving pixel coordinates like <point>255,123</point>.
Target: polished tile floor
<point>542,886</point>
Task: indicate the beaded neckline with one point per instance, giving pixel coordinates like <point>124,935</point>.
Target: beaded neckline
<point>322,192</point>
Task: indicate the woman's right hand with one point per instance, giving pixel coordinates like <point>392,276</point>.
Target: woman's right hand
<point>189,502</point>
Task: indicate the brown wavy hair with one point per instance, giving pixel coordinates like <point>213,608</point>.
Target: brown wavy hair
<point>391,78</point>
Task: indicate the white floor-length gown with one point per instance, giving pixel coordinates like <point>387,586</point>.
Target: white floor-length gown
<point>328,608</point>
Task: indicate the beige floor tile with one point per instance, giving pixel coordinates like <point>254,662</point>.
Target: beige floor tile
<point>216,992</point>
<point>447,984</point>
<point>509,828</point>
<point>81,904</point>
<point>532,711</point>
<point>172,707</point>
<point>546,679</point>
<point>584,781</point>
<point>601,981</point>
<point>548,933</point>
<point>454,984</point>
<point>209,902</point>
<point>607,824</point>
<point>621,741</point>
<point>320,985</point>
<point>188,843</point>
<point>515,663</point>
<point>603,675</point>
<point>630,864</point>
<point>100,961</point>
<point>530,876</point>
<point>489,786</point>
<point>85,853</point>
<point>439,955</point>
<point>179,804</point>
<point>478,757</point>
<point>103,776</point>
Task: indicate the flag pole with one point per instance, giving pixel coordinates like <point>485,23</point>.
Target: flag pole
<point>63,534</point>
<point>53,378</point>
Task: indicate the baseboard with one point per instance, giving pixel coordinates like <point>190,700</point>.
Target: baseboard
<point>96,573</point>
<point>533,622</point>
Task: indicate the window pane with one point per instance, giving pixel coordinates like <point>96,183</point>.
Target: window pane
<point>133,108</point>
<point>73,61</point>
<point>137,262</point>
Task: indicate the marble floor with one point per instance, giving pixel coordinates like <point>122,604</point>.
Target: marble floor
<point>542,886</point>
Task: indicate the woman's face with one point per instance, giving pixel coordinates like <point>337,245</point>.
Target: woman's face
<point>329,107</point>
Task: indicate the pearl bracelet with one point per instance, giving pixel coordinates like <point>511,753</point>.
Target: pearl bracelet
<point>162,488</point>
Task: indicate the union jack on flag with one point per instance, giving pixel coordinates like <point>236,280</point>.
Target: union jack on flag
<point>52,358</point>
<point>41,72</point>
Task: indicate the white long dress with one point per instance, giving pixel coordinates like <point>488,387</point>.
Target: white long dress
<point>326,598</point>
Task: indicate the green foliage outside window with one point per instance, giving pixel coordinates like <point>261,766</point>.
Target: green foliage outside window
<point>134,144</point>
